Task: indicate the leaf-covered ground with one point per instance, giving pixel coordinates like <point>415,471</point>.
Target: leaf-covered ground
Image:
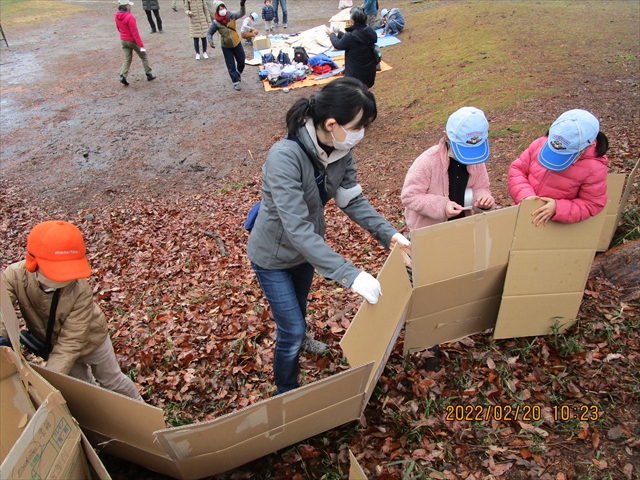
<point>161,198</point>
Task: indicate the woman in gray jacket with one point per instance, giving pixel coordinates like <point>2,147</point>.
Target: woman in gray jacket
<point>303,171</point>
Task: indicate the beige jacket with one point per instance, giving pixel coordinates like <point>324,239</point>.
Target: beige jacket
<point>199,22</point>
<point>80,325</point>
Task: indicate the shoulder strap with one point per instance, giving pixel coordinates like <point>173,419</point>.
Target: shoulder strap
<point>52,320</point>
<point>321,178</point>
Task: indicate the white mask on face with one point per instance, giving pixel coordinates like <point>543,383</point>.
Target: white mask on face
<point>222,12</point>
<point>350,141</point>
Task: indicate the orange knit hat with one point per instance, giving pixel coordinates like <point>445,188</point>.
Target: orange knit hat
<point>57,248</point>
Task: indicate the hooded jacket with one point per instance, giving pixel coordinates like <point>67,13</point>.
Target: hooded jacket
<point>290,226</point>
<point>128,28</point>
<point>358,43</point>
<point>229,37</point>
<point>580,191</point>
<point>425,192</point>
<point>80,326</point>
<point>395,22</point>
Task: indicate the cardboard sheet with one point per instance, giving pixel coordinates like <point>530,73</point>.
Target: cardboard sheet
<point>355,470</point>
<point>615,185</point>
<point>375,328</point>
<point>460,247</point>
<point>547,272</point>
<point>42,442</point>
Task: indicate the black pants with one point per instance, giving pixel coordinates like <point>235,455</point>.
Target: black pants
<point>158,19</point>
<point>204,44</point>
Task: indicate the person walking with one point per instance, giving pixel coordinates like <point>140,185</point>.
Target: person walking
<point>131,41</point>
<point>64,325</point>
<point>303,171</point>
<point>152,6</point>
<point>358,44</point>
<point>370,8</point>
<point>199,15</point>
<point>224,22</point>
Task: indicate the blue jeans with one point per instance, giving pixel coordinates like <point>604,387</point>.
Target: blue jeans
<point>231,56</point>
<point>287,292</point>
<point>283,4</point>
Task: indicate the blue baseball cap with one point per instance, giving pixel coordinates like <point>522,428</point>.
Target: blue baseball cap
<point>569,135</point>
<point>468,134</point>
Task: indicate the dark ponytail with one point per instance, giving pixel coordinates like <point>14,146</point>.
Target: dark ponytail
<point>602,144</point>
<point>343,99</point>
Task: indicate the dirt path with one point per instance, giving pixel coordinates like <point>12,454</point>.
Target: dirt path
<point>73,135</point>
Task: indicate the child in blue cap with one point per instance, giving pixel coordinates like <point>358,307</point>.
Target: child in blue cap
<point>450,180</point>
<point>567,169</point>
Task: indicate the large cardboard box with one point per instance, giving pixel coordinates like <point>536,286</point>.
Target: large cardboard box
<point>261,42</point>
<point>136,432</point>
<point>39,441</point>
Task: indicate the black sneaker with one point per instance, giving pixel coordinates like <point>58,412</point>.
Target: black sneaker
<point>151,76</point>
<point>123,80</point>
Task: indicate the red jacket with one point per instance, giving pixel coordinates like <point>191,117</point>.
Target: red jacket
<point>580,191</point>
<point>126,24</point>
<point>425,193</point>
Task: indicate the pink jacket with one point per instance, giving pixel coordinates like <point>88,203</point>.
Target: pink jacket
<point>580,191</point>
<point>426,188</point>
<point>128,28</point>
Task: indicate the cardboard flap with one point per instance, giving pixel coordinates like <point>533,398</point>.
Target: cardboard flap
<point>547,272</point>
<point>627,190</point>
<point>107,412</point>
<point>355,470</point>
<point>267,419</point>
<point>615,184</point>
<point>375,328</point>
<point>10,320</point>
<point>470,244</point>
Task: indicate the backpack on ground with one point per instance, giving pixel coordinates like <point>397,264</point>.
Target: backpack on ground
<point>283,58</point>
<point>268,58</point>
<point>300,55</point>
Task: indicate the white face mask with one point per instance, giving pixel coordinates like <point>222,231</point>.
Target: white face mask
<point>50,284</point>
<point>222,12</point>
<point>350,141</point>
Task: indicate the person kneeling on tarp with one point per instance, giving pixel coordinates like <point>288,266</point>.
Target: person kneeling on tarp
<point>65,326</point>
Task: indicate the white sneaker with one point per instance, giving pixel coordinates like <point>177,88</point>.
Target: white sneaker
<point>205,56</point>
<point>197,56</point>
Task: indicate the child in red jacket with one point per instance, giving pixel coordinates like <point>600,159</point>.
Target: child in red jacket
<point>567,169</point>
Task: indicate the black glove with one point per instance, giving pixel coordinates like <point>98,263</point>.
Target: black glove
<point>5,342</point>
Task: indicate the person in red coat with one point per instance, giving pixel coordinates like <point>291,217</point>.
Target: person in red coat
<point>567,169</point>
<point>131,41</point>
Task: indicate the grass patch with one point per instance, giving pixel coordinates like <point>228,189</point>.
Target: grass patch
<point>16,13</point>
<point>494,55</point>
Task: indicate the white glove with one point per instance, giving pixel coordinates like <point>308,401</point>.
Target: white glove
<point>401,239</point>
<point>368,287</point>
<point>143,49</point>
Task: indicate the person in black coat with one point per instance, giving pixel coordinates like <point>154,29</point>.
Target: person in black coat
<point>358,44</point>
<point>152,6</point>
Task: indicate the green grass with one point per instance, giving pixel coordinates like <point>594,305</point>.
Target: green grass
<point>15,13</point>
<point>494,55</point>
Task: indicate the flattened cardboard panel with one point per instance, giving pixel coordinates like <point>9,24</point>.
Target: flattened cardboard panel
<point>265,419</point>
<point>375,328</point>
<point>107,412</point>
<point>355,471</point>
<point>535,314</point>
<point>216,462</point>
<point>456,248</point>
<point>15,405</point>
<point>615,185</point>
<point>45,448</point>
<point>565,239</point>
<point>627,190</point>
<point>547,271</point>
<point>452,324</point>
<point>555,235</point>
<point>430,299</point>
<point>9,318</point>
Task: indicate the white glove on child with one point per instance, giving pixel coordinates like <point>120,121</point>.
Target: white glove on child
<point>368,287</point>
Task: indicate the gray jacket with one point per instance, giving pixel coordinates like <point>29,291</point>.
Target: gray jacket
<point>290,226</point>
<point>150,5</point>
